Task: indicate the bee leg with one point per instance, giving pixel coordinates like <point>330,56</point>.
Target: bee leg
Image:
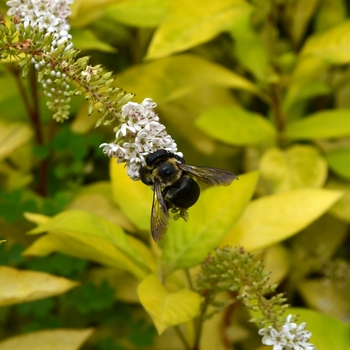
<point>145,176</point>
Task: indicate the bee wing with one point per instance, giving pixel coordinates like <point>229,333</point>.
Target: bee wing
<point>160,217</point>
<point>211,176</point>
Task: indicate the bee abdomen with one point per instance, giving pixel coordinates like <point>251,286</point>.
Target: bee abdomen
<point>184,193</point>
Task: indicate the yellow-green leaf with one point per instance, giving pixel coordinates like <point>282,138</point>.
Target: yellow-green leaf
<point>340,209</point>
<point>307,71</point>
<point>190,23</point>
<point>271,219</point>
<point>276,262</point>
<point>166,308</point>
<point>320,125</point>
<point>98,199</point>
<point>89,248</point>
<point>139,13</point>
<point>85,12</point>
<point>236,126</point>
<point>296,167</point>
<point>133,197</point>
<point>332,45</point>
<point>339,162</point>
<point>36,218</point>
<point>187,243</point>
<point>85,39</point>
<point>12,136</point>
<point>55,339</point>
<point>248,47</point>
<point>177,76</point>
<point>95,233</point>
<point>21,286</point>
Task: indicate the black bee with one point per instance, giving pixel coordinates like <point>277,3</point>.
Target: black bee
<point>174,186</point>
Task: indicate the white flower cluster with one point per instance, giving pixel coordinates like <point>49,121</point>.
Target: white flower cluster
<point>290,337</point>
<point>49,15</point>
<point>139,135</point>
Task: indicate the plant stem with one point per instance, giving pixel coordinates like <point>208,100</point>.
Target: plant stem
<point>189,279</point>
<point>200,321</point>
<point>182,337</point>
<point>43,167</point>
<point>33,111</point>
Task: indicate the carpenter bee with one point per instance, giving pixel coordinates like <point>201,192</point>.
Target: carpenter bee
<point>174,186</point>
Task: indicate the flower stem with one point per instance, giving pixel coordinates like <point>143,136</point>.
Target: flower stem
<point>182,337</point>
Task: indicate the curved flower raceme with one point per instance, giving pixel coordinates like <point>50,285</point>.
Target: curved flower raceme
<point>139,134</point>
<point>289,337</point>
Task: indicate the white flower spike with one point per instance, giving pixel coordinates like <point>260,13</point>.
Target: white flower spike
<point>139,134</point>
<point>51,16</point>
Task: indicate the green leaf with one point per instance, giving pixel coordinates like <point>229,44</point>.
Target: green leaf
<point>21,286</point>
<point>177,76</point>
<point>296,167</point>
<point>167,309</point>
<point>133,197</point>
<point>236,126</point>
<point>327,332</point>
<point>271,219</point>
<point>12,136</point>
<point>339,162</point>
<point>85,39</point>
<point>56,339</point>
<point>320,125</point>
<point>139,13</point>
<point>188,243</point>
<point>190,23</point>
<point>90,233</point>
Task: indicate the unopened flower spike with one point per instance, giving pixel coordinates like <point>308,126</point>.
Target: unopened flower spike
<point>139,134</point>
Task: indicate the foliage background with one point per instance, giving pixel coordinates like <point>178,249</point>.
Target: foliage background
<point>257,87</point>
